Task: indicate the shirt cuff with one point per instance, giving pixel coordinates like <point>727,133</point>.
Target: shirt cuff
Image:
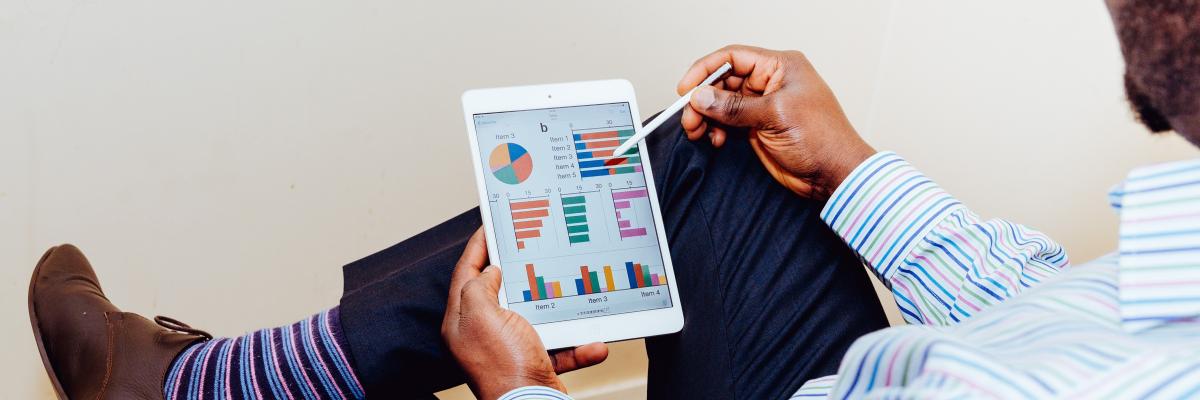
<point>534,393</point>
<point>884,208</point>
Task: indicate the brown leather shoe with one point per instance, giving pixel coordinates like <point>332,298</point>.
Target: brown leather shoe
<point>90,348</point>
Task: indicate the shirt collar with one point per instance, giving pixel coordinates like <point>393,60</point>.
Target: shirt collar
<point>1159,246</point>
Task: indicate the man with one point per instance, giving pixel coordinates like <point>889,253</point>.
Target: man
<point>996,310</point>
<point>756,268</point>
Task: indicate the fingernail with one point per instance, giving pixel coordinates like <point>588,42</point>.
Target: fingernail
<point>489,268</point>
<point>704,96</point>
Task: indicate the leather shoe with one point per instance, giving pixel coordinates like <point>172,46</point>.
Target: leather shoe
<point>90,348</point>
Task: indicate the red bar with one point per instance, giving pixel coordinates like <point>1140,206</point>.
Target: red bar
<point>637,270</point>
<point>603,144</point>
<point>587,279</point>
<point>602,153</point>
<point>533,289</point>
<point>534,223</point>
<point>520,245</point>
<point>599,135</point>
<point>530,204</point>
<point>530,214</point>
<point>529,234</point>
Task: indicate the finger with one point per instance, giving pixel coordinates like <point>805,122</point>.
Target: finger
<point>733,83</point>
<point>473,259</point>
<point>482,293</point>
<point>717,136</point>
<point>748,62</point>
<point>568,360</point>
<point>699,132</point>
<point>732,108</point>
<point>690,120</point>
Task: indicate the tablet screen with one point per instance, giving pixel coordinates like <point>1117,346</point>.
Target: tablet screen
<point>573,222</point>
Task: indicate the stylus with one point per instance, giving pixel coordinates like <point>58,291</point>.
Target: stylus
<point>666,114</point>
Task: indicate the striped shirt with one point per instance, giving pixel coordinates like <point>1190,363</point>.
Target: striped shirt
<point>997,311</point>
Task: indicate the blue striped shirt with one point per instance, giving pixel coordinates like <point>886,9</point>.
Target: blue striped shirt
<point>996,310</point>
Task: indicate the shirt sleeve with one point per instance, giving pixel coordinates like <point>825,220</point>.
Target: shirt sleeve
<point>942,262</point>
<point>534,393</point>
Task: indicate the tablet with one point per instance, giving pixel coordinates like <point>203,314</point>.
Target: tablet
<point>575,229</point>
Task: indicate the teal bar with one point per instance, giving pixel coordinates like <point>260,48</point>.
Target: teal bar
<point>579,238</point>
<point>624,133</point>
<point>595,282</point>
<point>541,287</point>
<point>645,275</point>
<point>578,209</point>
<point>623,170</point>
<point>577,219</point>
<point>577,229</point>
<point>573,200</point>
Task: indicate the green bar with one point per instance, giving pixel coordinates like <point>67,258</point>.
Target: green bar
<point>577,219</point>
<point>623,170</point>
<point>595,282</point>
<point>541,288</point>
<point>577,209</point>
<point>573,200</point>
<point>624,133</point>
<point>646,275</point>
<point>632,151</point>
<point>577,229</point>
<point>579,238</point>
<point>633,160</point>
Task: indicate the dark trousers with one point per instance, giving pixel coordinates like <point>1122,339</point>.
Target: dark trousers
<point>771,297</point>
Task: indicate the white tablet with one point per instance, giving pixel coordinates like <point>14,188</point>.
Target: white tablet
<point>575,228</point>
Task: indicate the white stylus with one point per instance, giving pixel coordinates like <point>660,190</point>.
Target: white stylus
<point>669,112</point>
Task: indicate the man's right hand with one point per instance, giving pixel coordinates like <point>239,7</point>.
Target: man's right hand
<point>796,125</point>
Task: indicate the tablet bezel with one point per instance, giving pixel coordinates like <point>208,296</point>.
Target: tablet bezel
<point>576,332</point>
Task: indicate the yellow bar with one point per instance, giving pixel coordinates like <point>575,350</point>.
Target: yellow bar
<point>608,278</point>
<point>557,289</point>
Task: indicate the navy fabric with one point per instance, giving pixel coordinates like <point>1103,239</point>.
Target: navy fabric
<point>771,297</point>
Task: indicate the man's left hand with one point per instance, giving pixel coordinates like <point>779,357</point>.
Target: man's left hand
<point>497,348</point>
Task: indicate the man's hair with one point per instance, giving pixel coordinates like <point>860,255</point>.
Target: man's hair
<point>1160,40</point>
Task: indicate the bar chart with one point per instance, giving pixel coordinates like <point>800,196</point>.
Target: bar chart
<point>623,203</point>
<point>594,150</point>
<point>528,219</point>
<point>575,216</point>
<point>637,276</point>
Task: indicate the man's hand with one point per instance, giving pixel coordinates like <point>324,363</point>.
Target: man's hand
<point>796,125</point>
<point>496,347</point>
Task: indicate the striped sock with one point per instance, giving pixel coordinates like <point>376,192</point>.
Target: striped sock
<point>304,360</point>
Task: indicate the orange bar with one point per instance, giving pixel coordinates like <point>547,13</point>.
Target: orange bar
<point>529,234</point>
<point>587,279</point>
<point>533,223</point>
<point>533,290</point>
<point>637,270</point>
<point>608,278</point>
<point>557,289</point>
<point>599,135</point>
<point>530,214</point>
<point>603,144</point>
<point>530,204</point>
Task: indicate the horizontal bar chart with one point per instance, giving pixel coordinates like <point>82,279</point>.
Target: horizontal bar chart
<point>528,216</point>
<point>594,152</point>
<point>623,202</point>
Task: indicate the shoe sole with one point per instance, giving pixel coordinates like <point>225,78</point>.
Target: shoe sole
<point>37,331</point>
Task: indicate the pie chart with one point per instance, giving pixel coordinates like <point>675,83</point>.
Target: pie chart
<point>510,163</point>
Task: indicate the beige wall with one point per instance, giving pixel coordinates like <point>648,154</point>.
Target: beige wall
<point>220,160</point>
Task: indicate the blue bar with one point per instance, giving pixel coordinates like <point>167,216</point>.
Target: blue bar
<point>578,137</point>
<point>585,155</point>
<point>580,146</point>
<point>525,293</point>
<point>579,286</point>
<point>629,273</point>
<point>595,172</point>
<point>591,164</point>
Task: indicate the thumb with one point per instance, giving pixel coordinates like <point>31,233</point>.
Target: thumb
<point>731,108</point>
<point>483,289</point>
